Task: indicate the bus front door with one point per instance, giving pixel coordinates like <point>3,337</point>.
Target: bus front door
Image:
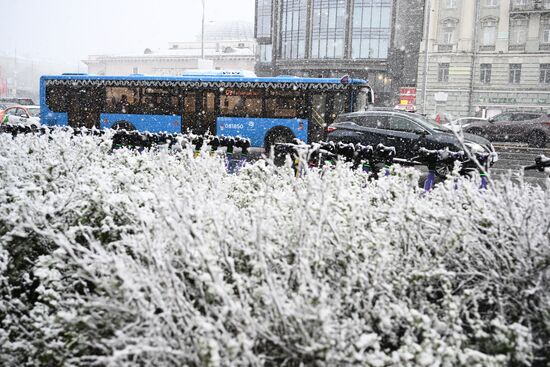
<point>318,120</point>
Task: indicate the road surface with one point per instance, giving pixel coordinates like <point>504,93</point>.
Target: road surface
<point>513,156</point>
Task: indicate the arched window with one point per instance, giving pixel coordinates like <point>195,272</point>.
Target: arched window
<point>518,32</point>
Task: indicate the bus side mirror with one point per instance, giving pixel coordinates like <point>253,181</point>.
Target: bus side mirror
<point>370,97</point>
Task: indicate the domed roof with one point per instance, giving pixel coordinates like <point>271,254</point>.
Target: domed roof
<point>228,30</point>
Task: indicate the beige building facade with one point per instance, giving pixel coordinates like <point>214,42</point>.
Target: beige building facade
<point>227,45</point>
<point>221,55</point>
<point>484,57</point>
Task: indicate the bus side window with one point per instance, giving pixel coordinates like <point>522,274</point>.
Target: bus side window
<point>190,104</point>
<point>121,99</point>
<point>56,98</point>
<point>240,106</point>
<point>286,104</point>
<point>158,101</point>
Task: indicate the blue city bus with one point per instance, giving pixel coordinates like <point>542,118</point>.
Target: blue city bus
<point>266,110</point>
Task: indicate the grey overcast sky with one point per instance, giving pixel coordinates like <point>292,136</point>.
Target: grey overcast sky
<point>69,30</point>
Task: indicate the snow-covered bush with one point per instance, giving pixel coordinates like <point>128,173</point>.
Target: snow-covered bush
<point>156,258</point>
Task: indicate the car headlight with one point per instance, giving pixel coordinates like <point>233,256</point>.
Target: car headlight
<point>494,153</point>
<point>475,148</point>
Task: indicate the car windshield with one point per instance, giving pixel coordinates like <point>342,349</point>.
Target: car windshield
<point>34,112</point>
<point>430,123</point>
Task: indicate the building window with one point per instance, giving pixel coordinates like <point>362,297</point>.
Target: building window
<point>545,73</point>
<point>135,71</point>
<point>545,30</point>
<point>488,32</point>
<point>515,74</point>
<point>485,73</point>
<point>448,28</point>
<point>263,19</point>
<point>491,3</point>
<point>293,29</point>
<point>450,4</point>
<point>443,72</point>
<point>266,53</point>
<point>329,29</point>
<point>518,32</point>
<point>546,4</point>
<point>371,29</point>
<point>520,3</point>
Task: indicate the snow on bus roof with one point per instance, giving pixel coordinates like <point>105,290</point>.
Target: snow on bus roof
<point>209,76</point>
<point>233,73</point>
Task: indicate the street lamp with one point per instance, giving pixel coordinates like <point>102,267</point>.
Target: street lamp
<point>427,20</point>
<point>202,33</point>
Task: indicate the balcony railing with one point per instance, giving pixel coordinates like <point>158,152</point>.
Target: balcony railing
<point>529,6</point>
<point>516,47</point>
<point>487,48</point>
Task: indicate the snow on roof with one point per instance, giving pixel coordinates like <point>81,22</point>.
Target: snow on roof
<point>222,52</point>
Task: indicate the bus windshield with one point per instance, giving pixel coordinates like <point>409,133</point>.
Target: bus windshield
<point>363,99</point>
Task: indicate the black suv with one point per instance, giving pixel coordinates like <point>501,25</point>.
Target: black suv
<point>403,130</point>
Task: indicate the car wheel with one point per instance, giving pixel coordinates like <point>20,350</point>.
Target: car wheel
<point>277,135</point>
<point>537,139</point>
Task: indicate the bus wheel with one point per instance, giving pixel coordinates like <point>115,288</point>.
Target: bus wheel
<point>123,125</point>
<point>277,135</point>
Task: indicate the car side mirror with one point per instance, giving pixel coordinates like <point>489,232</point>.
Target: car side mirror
<point>492,121</point>
<point>422,133</point>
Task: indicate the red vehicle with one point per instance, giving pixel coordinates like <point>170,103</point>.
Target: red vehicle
<point>20,115</point>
